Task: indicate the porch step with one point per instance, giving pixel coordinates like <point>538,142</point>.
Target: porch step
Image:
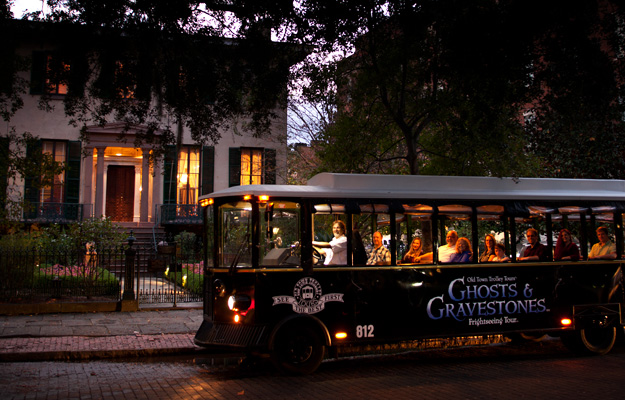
<point>144,233</point>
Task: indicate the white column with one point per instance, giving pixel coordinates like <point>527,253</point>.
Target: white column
<point>99,184</point>
<point>88,179</point>
<point>145,186</point>
<point>157,188</point>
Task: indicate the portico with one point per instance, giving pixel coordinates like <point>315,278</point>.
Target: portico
<point>118,178</point>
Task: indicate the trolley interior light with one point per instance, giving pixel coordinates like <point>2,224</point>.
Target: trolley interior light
<point>263,198</point>
<point>247,197</point>
<point>237,318</point>
<point>206,202</point>
<point>566,321</point>
<point>340,335</point>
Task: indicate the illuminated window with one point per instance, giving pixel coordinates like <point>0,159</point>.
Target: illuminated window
<point>251,166</point>
<point>188,175</point>
<point>54,193</point>
<point>49,74</point>
<point>124,80</point>
<point>56,73</point>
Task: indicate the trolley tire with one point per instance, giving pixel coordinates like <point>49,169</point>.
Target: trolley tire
<point>590,341</point>
<point>298,350</point>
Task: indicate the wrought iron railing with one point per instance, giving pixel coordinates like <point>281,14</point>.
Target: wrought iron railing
<point>56,212</point>
<point>179,214</point>
<point>36,274</point>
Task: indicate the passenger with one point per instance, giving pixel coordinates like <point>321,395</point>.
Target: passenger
<point>535,251</point>
<point>565,248</point>
<point>489,251</point>
<point>446,252</point>
<point>500,254</point>
<point>336,250</point>
<point>463,254</point>
<point>415,254</point>
<point>605,249</point>
<point>380,254</point>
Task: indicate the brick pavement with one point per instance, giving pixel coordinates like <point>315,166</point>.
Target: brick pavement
<point>76,336</point>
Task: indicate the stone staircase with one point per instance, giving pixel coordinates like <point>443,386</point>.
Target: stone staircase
<point>145,233</point>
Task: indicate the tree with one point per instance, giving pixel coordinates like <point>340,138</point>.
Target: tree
<point>172,59</point>
<point>441,86</point>
<point>577,126</point>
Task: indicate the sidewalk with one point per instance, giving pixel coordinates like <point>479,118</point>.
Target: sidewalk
<point>81,336</point>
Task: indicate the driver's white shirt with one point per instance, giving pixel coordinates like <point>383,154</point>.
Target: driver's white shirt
<point>337,254</point>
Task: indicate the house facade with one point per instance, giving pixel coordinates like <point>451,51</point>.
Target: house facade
<point>110,175</point>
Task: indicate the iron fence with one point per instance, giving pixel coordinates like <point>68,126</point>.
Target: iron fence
<point>171,274</point>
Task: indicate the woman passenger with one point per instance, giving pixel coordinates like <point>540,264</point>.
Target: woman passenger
<point>413,256</point>
<point>500,254</point>
<point>565,248</point>
<point>463,251</point>
<point>489,251</point>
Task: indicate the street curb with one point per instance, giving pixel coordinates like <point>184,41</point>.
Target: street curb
<point>96,354</point>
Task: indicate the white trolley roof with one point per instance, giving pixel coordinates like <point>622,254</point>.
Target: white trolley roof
<point>331,185</point>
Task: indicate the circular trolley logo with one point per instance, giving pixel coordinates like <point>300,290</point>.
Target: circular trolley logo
<point>307,297</point>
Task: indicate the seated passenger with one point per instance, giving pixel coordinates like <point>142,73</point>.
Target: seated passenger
<point>605,249</point>
<point>336,250</point>
<point>565,248</point>
<point>535,251</point>
<point>380,254</point>
<point>446,252</point>
<point>463,254</point>
<point>415,254</point>
<point>489,251</point>
<point>500,254</point>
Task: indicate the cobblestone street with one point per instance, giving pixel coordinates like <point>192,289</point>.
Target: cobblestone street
<point>533,371</point>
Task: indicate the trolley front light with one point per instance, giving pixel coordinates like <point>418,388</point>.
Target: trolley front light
<point>239,302</point>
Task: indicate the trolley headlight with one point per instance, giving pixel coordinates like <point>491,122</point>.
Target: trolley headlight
<point>239,302</point>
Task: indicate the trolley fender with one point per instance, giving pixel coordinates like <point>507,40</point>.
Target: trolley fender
<point>301,319</point>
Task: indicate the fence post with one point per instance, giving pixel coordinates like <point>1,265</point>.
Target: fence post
<point>129,301</point>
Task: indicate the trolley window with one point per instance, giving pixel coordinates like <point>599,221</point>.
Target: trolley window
<point>236,229</point>
<point>280,230</point>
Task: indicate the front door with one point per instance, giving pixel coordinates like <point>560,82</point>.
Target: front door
<point>120,192</point>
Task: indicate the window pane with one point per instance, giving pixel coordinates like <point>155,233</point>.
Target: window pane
<point>251,166</point>
<point>334,249</point>
<point>415,228</point>
<point>280,234</point>
<point>54,193</point>
<point>235,238</point>
<point>188,179</point>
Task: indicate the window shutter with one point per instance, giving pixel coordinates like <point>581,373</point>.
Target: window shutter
<point>38,72</point>
<point>208,169</point>
<point>270,167</point>
<point>31,181</point>
<point>235,166</point>
<point>4,169</point>
<point>72,175</point>
<point>169,179</point>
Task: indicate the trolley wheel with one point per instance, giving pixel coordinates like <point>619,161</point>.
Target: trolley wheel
<point>297,350</point>
<point>590,341</point>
